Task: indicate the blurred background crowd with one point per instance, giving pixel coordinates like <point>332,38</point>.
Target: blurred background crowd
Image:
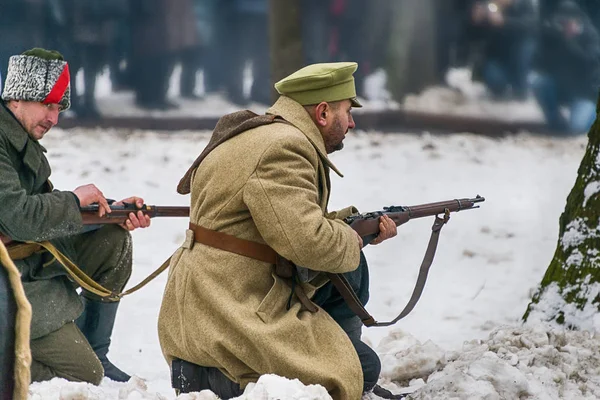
<point>545,49</point>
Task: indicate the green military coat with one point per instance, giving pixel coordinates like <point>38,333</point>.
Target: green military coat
<point>31,211</point>
<point>268,185</point>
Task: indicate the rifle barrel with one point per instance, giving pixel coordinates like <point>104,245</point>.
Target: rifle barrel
<point>172,211</point>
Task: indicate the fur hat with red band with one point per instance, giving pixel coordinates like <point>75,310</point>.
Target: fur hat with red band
<point>38,75</point>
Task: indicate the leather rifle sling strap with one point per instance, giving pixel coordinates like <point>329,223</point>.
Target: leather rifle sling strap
<point>346,291</point>
<point>256,251</point>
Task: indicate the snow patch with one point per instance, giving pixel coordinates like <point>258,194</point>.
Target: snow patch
<point>590,190</point>
<point>576,233</point>
<point>584,317</point>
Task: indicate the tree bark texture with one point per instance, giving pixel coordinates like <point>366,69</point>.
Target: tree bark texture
<point>569,293</point>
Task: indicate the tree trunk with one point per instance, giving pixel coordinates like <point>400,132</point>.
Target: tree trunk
<point>285,38</point>
<point>412,52</point>
<point>569,293</point>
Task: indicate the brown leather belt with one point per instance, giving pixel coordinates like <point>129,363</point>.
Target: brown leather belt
<point>257,251</point>
<point>232,244</point>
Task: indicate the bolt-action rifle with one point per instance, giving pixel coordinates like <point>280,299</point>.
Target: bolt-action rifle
<point>367,225</point>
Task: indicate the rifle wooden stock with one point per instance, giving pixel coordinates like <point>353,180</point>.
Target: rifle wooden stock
<point>120,214</point>
<point>367,225</point>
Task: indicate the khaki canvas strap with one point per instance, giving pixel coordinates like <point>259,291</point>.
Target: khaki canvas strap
<point>22,324</point>
<point>19,251</point>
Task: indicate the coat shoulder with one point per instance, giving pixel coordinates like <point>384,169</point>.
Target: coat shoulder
<point>282,135</point>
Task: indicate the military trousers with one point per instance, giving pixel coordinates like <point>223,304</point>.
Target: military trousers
<point>329,298</point>
<point>105,255</point>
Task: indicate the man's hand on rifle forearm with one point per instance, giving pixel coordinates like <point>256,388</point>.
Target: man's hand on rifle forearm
<point>136,220</point>
<point>89,194</point>
<point>387,230</point>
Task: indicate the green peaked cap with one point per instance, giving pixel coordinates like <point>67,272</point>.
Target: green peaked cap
<point>321,82</point>
<point>44,54</point>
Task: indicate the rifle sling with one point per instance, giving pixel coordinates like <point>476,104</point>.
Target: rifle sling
<point>342,285</point>
<point>19,251</point>
<point>265,253</point>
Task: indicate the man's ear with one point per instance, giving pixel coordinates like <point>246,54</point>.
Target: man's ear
<point>321,111</point>
<point>13,104</point>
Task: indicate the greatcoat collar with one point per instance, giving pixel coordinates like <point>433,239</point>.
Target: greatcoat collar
<point>12,129</point>
<point>295,114</point>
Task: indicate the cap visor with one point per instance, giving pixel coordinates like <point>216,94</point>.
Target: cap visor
<point>355,103</point>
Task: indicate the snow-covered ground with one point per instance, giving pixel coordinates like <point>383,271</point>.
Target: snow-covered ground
<point>466,325</point>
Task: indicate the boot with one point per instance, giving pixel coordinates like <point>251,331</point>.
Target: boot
<point>96,323</point>
<point>386,394</point>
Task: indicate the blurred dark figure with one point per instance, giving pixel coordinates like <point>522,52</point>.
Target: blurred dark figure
<point>567,68</point>
<point>195,58</point>
<point>93,29</point>
<point>347,36</point>
<point>119,56</point>
<point>508,30</point>
<point>451,49</point>
<point>216,68</point>
<point>161,31</point>
<point>247,39</point>
<point>315,29</point>
<point>22,26</point>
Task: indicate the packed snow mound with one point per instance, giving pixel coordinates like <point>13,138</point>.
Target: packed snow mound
<point>520,363</point>
<point>528,362</point>
<point>273,387</point>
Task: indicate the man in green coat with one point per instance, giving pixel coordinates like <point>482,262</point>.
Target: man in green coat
<point>70,334</point>
<point>260,192</point>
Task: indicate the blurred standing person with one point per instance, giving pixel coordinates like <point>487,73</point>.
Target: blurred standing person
<point>161,31</point>
<point>22,26</point>
<point>508,31</point>
<point>93,30</point>
<point>196,57</point>
<point>315,30</point>
<point>567,68</point>
<point>119,57</point>
<point>217,69</point>
<point>347,36</point>
<point>248,40</point>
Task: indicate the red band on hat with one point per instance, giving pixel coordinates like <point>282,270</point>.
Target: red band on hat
<point>60,87</point>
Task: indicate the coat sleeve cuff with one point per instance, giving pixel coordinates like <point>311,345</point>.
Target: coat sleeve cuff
<point>343,213</point>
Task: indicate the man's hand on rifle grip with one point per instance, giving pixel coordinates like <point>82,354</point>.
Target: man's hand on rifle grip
<point>89,194</point>
<point>387,230</point>
<point>136,220</point>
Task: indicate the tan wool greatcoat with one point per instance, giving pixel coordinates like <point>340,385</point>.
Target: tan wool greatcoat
<point>268,185</point>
